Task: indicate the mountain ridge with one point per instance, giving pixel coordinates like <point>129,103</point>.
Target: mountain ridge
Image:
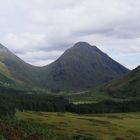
<point>77,68</point>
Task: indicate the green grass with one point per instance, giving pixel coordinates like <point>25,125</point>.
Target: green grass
<point>93,96</point>
<point>2,137</point>
<point>4,70</point>
<point>89,97</point>
<point>121,126</point>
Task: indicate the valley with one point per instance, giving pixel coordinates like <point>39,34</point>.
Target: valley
<point>81,67</point>
<point>83,95</point>
<point>69,70</point>
<point>56,126</point>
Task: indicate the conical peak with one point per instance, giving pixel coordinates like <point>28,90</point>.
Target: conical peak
<point>83,45</point>
<point>79,44</point>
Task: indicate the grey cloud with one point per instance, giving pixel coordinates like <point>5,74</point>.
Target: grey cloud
<point>31,26</point>
<point>40,55</point>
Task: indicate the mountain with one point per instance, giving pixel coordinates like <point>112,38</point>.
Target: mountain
<point>80,67</point>
<point>127,86</point>
<point>17,69</point>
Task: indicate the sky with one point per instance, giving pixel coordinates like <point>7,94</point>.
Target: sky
<point>39,31</point>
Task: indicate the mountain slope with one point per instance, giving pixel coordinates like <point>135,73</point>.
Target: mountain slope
<point>128,86</point>
<point>17,68</point>
<point>80,67</point>
<point>5,76</point>
<point>120,89</point>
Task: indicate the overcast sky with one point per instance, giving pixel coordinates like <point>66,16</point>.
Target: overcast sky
<point>39,31</point>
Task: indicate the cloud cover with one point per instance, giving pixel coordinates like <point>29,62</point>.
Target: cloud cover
<point>39,31</point>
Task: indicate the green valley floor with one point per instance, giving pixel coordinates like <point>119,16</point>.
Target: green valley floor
<point>62,126</point>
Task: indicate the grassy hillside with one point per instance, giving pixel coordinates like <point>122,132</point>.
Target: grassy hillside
<point>5,76</point>
<point>56,126</point>
<point>128,86</point>
<point>7,82</point>
<point>4,70</point>
<point>125,88</point>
